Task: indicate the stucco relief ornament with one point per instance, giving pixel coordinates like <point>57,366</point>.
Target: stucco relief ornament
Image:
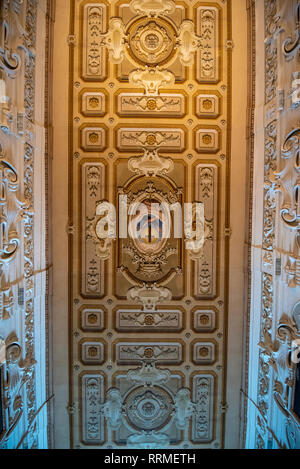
<point>148,440</point>
<point>149,296</point>
<point>195,238</point>
<point>275,354</point>
<point>6,300</point>
<point>184,408</point>
<point>151,164</point>
<point>288,180</point>
<point>292,45</point>
<point>9,61</point>
<point>187,43</point>
<point>18,371</point>
<point>96,230</point>
<point>115,40</point>
<point>153,8</point>
<point>290,328</point>
<point>12,210</point>
<point>152,79</point>
<point>112,409</point>
<point>148,375</point>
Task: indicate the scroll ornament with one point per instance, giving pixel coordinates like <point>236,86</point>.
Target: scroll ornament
<point>149,296</point>
<point>287,181</point>
<point>153,8</point>
<point>292,45</point>
<point>151,164</point>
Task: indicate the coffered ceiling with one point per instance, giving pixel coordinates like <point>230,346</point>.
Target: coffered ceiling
<point>150,120</point>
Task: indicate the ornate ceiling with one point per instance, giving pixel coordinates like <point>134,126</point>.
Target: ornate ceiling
<point>150,122</point>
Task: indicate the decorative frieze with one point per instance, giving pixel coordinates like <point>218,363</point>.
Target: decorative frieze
<point>207,106</point>
<point>206,191</point>
<point>136,352</point>
<point>143,271</point>
<point>164,105</point>
<point>160,320</point>
<point>92,352</point>
<point>207,140</point>
<point>152,9</point>
<point>93,138</point>
<point>132,139</point>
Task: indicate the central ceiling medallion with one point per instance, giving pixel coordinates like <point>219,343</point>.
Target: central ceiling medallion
<point>152,42</point>
<point>149,409</point>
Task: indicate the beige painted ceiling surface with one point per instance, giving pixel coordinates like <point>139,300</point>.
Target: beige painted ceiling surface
<point>150,98</point>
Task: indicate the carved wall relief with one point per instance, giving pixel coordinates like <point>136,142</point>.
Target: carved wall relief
<point>172,140</point>
<point>163,105</point>
<point>11,213</point>
<point>271,406</point>
<point>137,320</point>
<point>153,8</point>
<point>23,220</point>
<point>208,55</point>
<point>2,421</point>
<point>9,53</point>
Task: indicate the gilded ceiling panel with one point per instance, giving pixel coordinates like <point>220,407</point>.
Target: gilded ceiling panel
<point>150,123</point>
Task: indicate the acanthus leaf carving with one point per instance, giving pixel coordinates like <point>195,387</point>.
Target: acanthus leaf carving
<point>148,375</point>
<point>184,408</point>
<point>288,180</point>
<point>148,440</point>
<point>292,270</point>
<point>287,328</point>
<point>17,372</point>
<point>112,409</point>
